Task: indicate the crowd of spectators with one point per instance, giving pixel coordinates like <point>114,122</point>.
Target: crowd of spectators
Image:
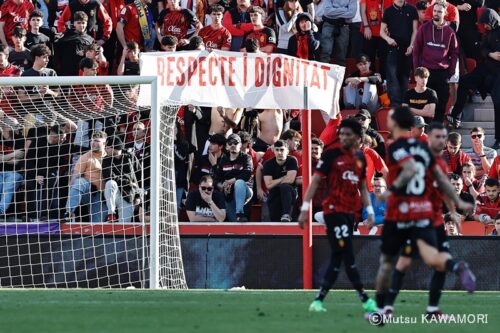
<point>231,160</point>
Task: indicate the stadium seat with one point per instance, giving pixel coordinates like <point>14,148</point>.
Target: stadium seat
<point>348,113</point>
<point>381,119</point>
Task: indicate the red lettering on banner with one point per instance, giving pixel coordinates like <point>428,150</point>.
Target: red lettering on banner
<point>160,67</point>
<point>325,75</point>
<point>297,72</point>
<point>181,80</point>
<point>268,70</point>
<point>231,71</point>
<point>259,71</point>
<point>288,71</point>
<point>201,72</point>
<point>212,80</point>
<point>315,77</point>
<point>192,66</point>
<point>170,71</point>
<point>305,65</point>
<point>245,70</point>
<point>276,72</point>
<point>222,70</point>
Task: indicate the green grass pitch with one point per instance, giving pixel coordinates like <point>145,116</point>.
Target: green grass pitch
<point>68,311</point>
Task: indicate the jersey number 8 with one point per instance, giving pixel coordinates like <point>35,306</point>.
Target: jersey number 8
<point>416,186</point>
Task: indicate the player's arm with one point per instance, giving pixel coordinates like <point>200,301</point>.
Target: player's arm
<point>408,171</point>
<point>311,190</point>
<point>3,39</point>
<point>448,190</point>
<point>365,197</point>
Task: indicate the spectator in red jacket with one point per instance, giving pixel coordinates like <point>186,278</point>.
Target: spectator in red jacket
<point>97,16</point>
<point>13,13</point>
<point>237,21</point>
<point>453,155</point>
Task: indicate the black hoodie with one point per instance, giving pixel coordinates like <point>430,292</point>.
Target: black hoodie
<point>491,42</point>
<point>69,50</point>
<point>313,43</point>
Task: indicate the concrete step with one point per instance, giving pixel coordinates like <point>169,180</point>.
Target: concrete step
<point>486,125</point>
<point>484,114</point>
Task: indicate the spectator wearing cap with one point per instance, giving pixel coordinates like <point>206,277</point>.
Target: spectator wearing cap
<point>11,161</point>
<point>418,129</point>
<point>488,203</point>
<point>421,100</point>
<point>335,32</point>
<point>482,157</point>
<point>303,44</point>
<point>206,203</point>
<point>121,186</point>
<point>13,13</point>
<point>361,86</point>
<point>436,48</point>
<point>364,117</point>
<point>169,43</point>
<point>279,176</point>
<point>86,183</point>
<point>70,48</point>
<point>398,29</point>
<point>234,179</point>
<point>34,35</point>
<point>20,56</point>
<point>453,155</point>
<point>207,163</point>
<point>486,76</point>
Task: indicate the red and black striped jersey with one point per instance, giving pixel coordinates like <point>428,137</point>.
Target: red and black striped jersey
<point>265,36</point>
<point>412,201</point>
<point>436,195</point>
<point>176,22</point>
<point>345,171</point>
<point>215,39</point>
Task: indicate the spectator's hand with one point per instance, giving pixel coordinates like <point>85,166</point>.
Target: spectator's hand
<point>261,194</point>
<point>206,197</point>
<point>468,181</point>
<point>391,42</point>
<point>100,42</point>
<point>125,52</point>
<point>369,222</point>
<point>464,7</point>
<point>477,147</point>
<point>409,50</point>
<point>42,90</point>
<point>354,82</point>
<point>368,33</point>
<point>308,26</point>
<point>212,159</point>
<point>39,180</point>
<point>495,55</point>
<point>303,218</point>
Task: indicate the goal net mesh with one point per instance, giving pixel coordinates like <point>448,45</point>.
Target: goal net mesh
<point>87,186</point>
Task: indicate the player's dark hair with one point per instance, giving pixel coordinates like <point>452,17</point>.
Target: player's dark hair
<point>491,182</point>
<point>354,125</point>
<point>88,63</point>
<point>454,138</point>
<point>39,50</point>
<point>194,43</point>
<point>251,45</point>
<point>4,49</point>
<point>291,134</point>
<point>215,8</point>
<point>36,13</point>
<point>454,176</point>
<point>245,137</point>
<point>317,141</point>
<point>169,40</point>
<point>206,178</point>
<point>403,117</point>
<point>80,16</point>
<point>435,125</point>
<point>279,144</point>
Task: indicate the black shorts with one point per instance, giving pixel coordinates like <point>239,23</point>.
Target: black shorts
<point>396,234</point>
<point>410,248</point>
<point>339,227</point>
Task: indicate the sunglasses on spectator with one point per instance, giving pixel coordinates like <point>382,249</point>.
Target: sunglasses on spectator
<point>476,136</point>
<point>232,143</point>
<point>361,118</point>
<point>207,188</point>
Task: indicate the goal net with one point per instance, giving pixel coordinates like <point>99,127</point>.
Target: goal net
<point>87,185</point>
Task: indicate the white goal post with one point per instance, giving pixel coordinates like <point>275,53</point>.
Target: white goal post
<point>158,255</point>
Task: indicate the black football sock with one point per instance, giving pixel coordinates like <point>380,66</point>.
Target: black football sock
<point>451,265</point>
<point>437,284</point>
<point>397,282</point>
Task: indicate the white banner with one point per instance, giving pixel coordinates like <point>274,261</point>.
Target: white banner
<point>234,79</point>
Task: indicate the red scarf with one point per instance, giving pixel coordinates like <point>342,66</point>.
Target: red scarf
<point>302,47</point>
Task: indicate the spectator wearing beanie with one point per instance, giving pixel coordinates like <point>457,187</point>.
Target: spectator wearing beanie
<point>304,44</point>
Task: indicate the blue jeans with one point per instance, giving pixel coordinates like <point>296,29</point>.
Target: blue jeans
<point>9,183</point>
<point>398,74</point>
<point>80,193</point>
<point>369,97</point>
<point>334,38</point>
<point>241,195</point>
